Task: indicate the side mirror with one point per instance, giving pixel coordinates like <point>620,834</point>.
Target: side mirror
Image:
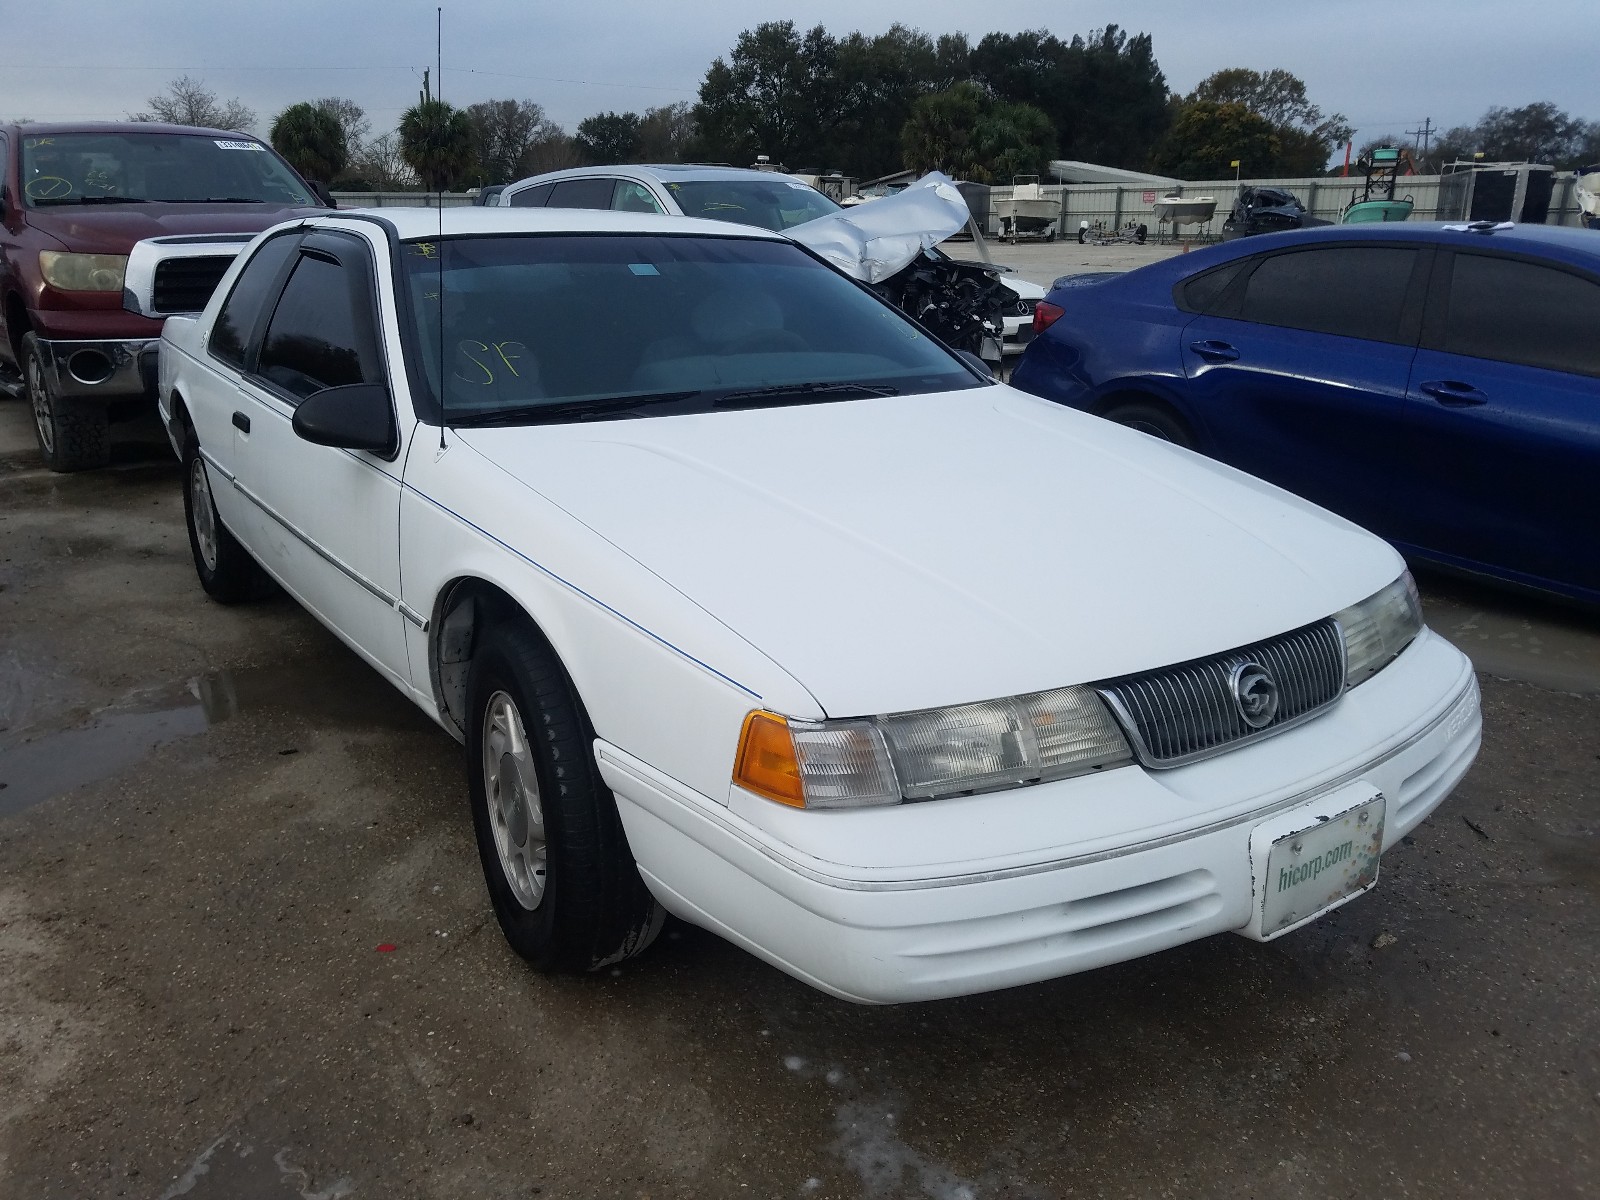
<point>356,416</point>
<point>977,364</point>
<point>321,192</point>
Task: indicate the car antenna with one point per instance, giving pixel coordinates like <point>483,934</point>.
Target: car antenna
<point>438,75</point>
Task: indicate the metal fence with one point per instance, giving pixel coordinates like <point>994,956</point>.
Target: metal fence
<point>1114,205</point>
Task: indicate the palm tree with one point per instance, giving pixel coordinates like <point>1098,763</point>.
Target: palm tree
<point>436,142</point>
<point>311,139</point>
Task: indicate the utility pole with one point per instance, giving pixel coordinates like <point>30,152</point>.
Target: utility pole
<point>1426,136</point>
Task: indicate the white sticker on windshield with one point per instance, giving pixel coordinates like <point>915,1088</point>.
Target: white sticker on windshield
<point>801,187</point>
<point>643,269</point>
<point>240,145</point>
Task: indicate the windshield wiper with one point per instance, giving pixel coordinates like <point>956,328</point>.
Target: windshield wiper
<point>801,393</point>
<point>92,200</point>
<point>227,200</point>
<point>568,410</point>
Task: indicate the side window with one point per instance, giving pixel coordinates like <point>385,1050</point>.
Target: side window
<point>534,197</point>
<point>1352,291</point>
<point>1520,312</point>
<point>634,197</point>
<point>313,340</point>
<point>241,311</point>
<point>581,193</point>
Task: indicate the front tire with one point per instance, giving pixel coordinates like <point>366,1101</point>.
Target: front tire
<point>73,435</point>
<point>1152,418</point>
<point>227,572</point>
<point>556,861</point>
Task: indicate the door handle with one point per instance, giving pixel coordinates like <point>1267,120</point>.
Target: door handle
<point>1452,393</point>
<point>1214,351</point>
<point>241,422</point>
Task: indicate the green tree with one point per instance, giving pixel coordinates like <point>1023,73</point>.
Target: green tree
<point>775,94</point>
<point>666,133</point>
<point>436,142</point>
<point>1538,132</point>
<point>1307,136</point>
<point>310,138</point>
<point>966,133</point>
<point>609,137</point>
<point>1207,136</point>
<point>1104,93</point>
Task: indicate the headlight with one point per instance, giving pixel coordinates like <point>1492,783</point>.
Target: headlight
<point>1379,628</point>
<point>929,754</point>
<point>83,272</point>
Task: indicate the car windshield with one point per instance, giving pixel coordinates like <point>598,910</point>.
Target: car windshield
<point>555,327</point>
<point>104,168</point>
<point>775,204</point>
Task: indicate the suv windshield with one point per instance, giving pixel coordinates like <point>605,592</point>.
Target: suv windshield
<point>570,327</point>
<point>102,168</point>
<point>775,204</point>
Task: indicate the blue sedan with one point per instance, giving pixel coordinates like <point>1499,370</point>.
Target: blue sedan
<point>1437,384</point>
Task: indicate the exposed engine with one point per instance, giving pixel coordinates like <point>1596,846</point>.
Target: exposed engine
<point>962,303</point>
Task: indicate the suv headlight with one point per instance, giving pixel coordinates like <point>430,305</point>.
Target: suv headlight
<point>929,754</point>
<point>1378,628</point>
<point>83,272</point>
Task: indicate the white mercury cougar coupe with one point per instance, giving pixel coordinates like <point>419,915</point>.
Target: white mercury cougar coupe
<point>754,604</point>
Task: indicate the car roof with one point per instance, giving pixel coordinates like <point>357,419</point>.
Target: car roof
<point>469,220</point>
<point>51,128</point>
<point>661,172</point>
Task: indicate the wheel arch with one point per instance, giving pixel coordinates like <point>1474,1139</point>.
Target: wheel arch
<point>18,323</point>
<point>464,607</point>
<point>1142,391</point>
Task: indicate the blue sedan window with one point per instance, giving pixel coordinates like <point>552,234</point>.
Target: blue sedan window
<point>1520,312</point>
<point>1352,291</point>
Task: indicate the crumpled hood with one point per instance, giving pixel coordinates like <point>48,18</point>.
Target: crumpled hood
<point>113,229</point>
<point>872,241</point>
<point>914,551</point>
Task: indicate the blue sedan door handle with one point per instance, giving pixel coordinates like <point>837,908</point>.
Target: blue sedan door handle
<point>1214,351</point>
<point>1453,393</point>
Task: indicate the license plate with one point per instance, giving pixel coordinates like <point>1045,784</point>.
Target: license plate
<point>1329,859</point>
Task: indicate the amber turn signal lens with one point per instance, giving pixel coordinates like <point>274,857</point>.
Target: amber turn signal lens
<point>766,763</point>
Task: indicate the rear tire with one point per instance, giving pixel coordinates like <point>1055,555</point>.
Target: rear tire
<point>561,878</point>
<point>227,572</point>
<point>73,435</point>
<point>1153,418</point>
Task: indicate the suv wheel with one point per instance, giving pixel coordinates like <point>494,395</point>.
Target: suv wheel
<point>73,435</point>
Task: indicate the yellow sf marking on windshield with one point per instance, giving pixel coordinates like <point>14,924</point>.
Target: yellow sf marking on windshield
<point>499,349</point>
<point>426,249</point>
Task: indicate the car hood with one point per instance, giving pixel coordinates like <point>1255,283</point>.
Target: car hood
<point>914,551</point>
<point>873,241</point>
<point>113,229</point>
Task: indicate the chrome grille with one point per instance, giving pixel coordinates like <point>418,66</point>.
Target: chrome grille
<point>183,285</point>
<point>1180,714</point>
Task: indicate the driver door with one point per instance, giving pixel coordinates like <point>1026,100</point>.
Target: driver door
<point>327,520</point>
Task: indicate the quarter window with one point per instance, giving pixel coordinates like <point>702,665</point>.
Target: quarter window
<point>1520,312</point>
<point>312,341</point>
<point>241,312</point>
<point>582,193</point>
<point>1351,291</point>
<point>534,197</point>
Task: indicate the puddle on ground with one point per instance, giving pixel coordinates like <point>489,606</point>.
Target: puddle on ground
<point>1517,637</point>
<point>38,763</point>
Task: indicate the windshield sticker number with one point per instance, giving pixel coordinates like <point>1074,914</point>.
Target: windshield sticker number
<point>240,145</point>
<point>494,355</point>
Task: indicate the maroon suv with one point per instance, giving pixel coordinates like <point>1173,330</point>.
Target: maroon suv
<point>73,201</point>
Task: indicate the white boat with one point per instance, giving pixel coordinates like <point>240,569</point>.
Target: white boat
<point>1587,188</point>
<point>1185,210</point>
<point>1028,211</point>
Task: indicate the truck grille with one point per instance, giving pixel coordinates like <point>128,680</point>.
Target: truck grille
<point>183,285</point>
<point>1180,714</point>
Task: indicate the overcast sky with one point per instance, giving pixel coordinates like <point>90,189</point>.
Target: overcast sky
<point>1385,64</point>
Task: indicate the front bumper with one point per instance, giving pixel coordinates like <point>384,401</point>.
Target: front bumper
<point>107,369</point>
<point>1015,910</point>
